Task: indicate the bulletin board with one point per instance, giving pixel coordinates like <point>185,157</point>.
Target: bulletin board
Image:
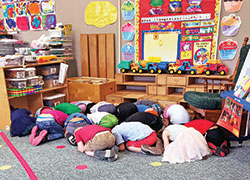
<point>177,30</point>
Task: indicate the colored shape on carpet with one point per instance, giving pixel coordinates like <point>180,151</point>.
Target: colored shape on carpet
<point>6,167</point>
<point>156,164</point>
<point>81,167</point>
<point>1,146</point>
<point>19,157</point>
<point>60,147</point>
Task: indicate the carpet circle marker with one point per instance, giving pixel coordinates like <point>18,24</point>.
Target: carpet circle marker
<point>156,164</point>
<point>60,147</point>
<point>1,146</point>
<point>81,167</point>
<point>6,167</point>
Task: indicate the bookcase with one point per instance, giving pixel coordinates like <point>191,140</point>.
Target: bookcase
<point>31,102</point>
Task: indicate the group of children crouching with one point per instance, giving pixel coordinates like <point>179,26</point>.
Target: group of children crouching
<point>102,129</point>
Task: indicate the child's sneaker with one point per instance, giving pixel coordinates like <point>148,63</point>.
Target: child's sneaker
<point>104,154</point>
<point>115,157</point>
<point>40,138</point>
<point>71,139</point>
<point>151,150</point>
<point>33,133</point>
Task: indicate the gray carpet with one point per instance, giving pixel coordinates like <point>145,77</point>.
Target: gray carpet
<point>50,163</point>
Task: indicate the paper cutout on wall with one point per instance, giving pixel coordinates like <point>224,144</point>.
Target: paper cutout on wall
<point>228,49</point>
<point>156,7</point>
<point>34,8</point>
<point>128,10</point>
<point>36,22</point>
<point>128,52</point>
<point>49,21</point>
<point>186,50</point>
<point>23,23</point>
<point>9,10</point>
<point>128,32</point>
<point>201,52</point>
<point>232,5</point>
<point>21,9</point>
<point>194,6</point>
<point>10,24</point>
<point>100,13</point>
<point>47,7</point>
<point>2,28</point>
<point>175,6</point>
<point>230,25</point>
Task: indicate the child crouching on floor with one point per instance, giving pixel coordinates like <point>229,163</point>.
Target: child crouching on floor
<point>135,135</point>
<point>96,141</point>
<point>183,144</point>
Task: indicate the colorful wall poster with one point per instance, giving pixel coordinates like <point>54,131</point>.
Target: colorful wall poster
<point>23,23</point>
<point>242,88</point>
<point>36,22</point>
<point>10,24</point>
<point>186,50</point>
<point>230,25</point>
<point>100,13</point>
<point>7,1</point>
<point>232,5</point>
<point>9,10</point>
<point>128,10</point>
<point>47,7</point>
<point>230,117</point>
<point>2,28</point>
<point>195,22</point>
<point>33,8</point>
<point>49,21</point>
<point>228,49</point>
<point>201,52</point>
<point>21,9</point>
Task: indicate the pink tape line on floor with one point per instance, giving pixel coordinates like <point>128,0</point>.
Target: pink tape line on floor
<point>19,157</point>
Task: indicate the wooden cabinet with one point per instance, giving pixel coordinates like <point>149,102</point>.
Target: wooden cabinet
<point>165,89</point>
<point>31,102</point>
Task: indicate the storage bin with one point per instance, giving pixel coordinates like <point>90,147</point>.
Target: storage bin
<point>11,60</point>
<point>54,100</point>
<point>50,81</point>
<point>15,73</point>
<point>48,70</point>
<point>32,81</point>
<point>16,83</point>
<point>30,72</point>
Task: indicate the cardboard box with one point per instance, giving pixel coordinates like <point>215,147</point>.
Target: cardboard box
<point>90,88</point>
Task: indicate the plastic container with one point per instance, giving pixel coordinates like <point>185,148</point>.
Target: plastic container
<point>50,81</point>
<point>48,70</point>
<point>30,72</point>
<point>32,81</point>
<point>54,100</point>
<point>16,83</point>
<point>15,73</point>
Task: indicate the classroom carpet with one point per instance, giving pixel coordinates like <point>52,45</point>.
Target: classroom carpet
<point>58,160</point>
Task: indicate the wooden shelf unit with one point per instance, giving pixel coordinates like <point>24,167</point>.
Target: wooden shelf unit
<point>31,102</point>
<point>165,89</point>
